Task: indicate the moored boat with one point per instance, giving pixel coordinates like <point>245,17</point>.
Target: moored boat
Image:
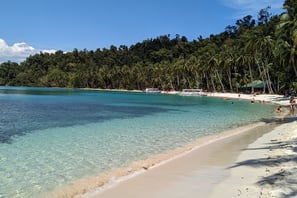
<point>193,92</point>
<point>152,90</point>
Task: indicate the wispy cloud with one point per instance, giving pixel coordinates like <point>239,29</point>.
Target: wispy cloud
<point>252,7</point>
<point>18,52</point>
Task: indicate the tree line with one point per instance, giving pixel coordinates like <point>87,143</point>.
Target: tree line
<point>252,49</point>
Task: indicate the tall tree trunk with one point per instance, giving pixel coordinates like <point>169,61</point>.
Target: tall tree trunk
<point>268,79</point>
<point>269,83</point>
<point>252,79</point>
<point>278,84</point>
<point>220,80</point>
<point>177,80</point>
<point>197,79</point>
<point>262,76</point>
<point>207,82</point>
<point>229,79</point>
<point>212,83</point>
<point>292,60</point>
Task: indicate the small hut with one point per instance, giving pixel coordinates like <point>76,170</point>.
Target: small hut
<point>259,86</point>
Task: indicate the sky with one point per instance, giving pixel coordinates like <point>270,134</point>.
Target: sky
<point>31,26</point>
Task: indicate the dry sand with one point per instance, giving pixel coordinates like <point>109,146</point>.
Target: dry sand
<point>263,98</point>
<point>267,168</point>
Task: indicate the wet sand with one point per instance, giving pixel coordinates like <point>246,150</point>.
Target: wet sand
<point>192,174</point>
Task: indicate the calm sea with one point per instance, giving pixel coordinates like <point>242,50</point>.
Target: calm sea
<point>50,138</point>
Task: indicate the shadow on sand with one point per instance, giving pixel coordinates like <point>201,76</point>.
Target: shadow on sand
<point>286,178</point>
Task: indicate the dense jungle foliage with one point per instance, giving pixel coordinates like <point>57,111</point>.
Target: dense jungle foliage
<point>253,49</point>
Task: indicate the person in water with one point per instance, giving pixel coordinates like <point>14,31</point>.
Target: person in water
<point>278,110</point>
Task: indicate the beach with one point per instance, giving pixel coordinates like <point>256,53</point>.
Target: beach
<point>261,98</point>
<point>266,168</point>
<point>251,161</point>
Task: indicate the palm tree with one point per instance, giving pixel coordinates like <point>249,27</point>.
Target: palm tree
<point>138,76</point>
<point>227,55</point>
<point>287,34</point>
<point>192,66</point>
<point>216,64</point>
<point>262,47</point>
<point>247,59</point>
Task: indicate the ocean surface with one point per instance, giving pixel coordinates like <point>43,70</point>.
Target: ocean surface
<point>50,138</point>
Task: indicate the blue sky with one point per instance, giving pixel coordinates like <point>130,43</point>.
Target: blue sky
<point>31,26</point>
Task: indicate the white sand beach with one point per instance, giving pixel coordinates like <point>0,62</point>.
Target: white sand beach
<point>252,161</point>
<point>262,98</point>
<point>267,168</point>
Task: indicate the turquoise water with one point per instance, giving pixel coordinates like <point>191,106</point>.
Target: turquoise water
<point>50,138</point>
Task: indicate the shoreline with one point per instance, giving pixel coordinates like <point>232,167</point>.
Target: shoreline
<point>261,98</point>
<point>171,171</point>
<point>94,186</point>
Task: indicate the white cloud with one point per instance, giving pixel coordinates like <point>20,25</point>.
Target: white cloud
<point>49,51</point>
<point>252,7</point>
<point>18,52</point>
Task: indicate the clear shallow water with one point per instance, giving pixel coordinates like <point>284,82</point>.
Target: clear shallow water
<point>52,137</point>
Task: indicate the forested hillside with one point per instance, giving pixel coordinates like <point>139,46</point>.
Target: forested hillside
<point>252,49</point>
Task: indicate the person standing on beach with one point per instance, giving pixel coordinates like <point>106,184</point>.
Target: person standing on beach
<point>292,105</point>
